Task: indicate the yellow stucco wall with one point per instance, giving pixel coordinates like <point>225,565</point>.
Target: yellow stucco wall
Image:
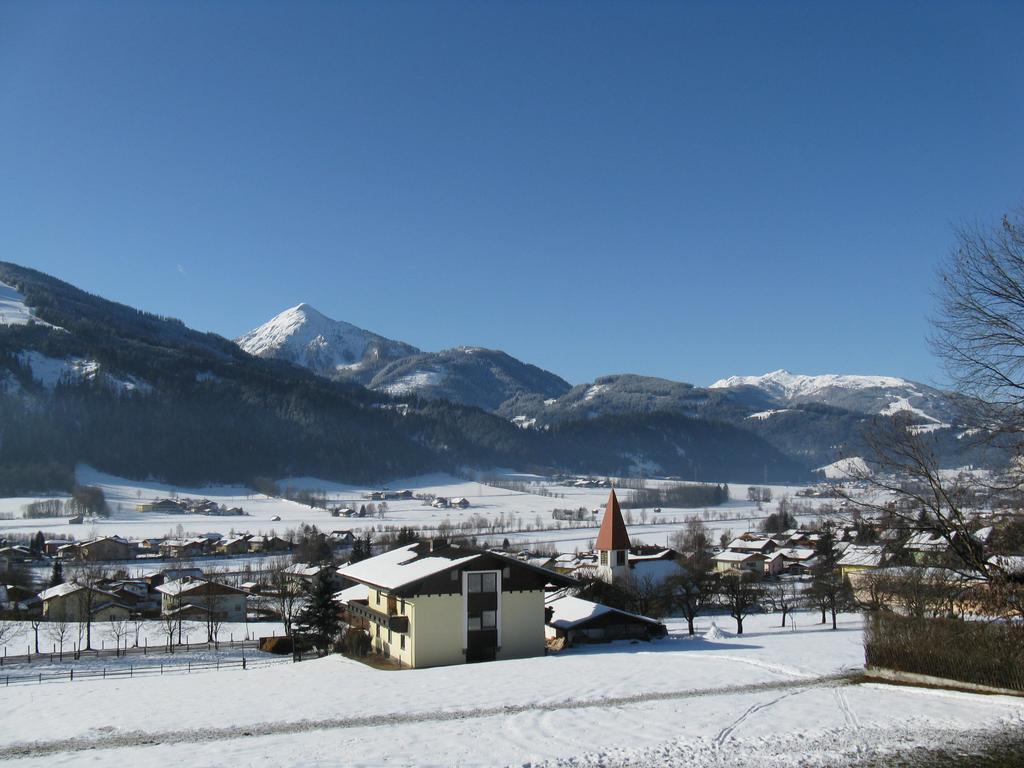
<point>435,636</point>
<point>435,631</point>
<point>522,624</point>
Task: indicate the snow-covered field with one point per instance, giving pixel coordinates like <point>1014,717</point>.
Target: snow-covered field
<point>520,510</point>
<point>150,633</point>
<point>771,697</point>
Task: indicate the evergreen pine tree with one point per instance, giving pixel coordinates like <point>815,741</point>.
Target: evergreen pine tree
<point>57,575</point>
<point>318,619</point>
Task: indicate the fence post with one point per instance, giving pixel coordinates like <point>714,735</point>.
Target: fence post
<point>131,670</point>
<point>243,661</point>
<point>72,673</point>
<point>190,666</point>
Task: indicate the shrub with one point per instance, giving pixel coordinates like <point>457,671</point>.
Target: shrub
<point>355,642</point>
<point>967,651</point>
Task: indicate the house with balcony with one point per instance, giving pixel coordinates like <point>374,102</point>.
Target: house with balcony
<point>432,604</point>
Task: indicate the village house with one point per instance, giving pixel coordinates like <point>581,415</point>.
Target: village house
<point>50,546</point>
<point>14,597</point>
<point>341,539</point>
<point>858,558</point>
<point>196,598</point>
<point>751,562</point>
<point>269,544</point>
<point>235,545</point>
<point>307,573</point>
<point>431,604</point>
<point>162,507</point>
<point>575,620</point>
<point>156,578</point>
<point>924,545</point>
<point>798,560</point>
<point>73,602</point>
<point>184,548</point>
<point>753,542</point>
<point>107,548</point>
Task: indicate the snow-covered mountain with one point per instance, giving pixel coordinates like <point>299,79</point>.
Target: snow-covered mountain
<point>614,395</point>
<point>333,348</point>
<point>14,310</point>
<point>881,395</point>
<point>485,378</point>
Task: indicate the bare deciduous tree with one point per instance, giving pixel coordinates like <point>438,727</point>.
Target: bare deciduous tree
<point>118,628</point>
<point>59,630</point>
<point>979,329</point>
<point>285,593</point>
<point>739,593</point>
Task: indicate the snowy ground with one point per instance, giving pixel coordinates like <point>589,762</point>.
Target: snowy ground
<point>151,633</point>
<point>519,509</point>
<point>772,697</point>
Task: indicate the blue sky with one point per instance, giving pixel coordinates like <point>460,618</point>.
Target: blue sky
<point>687,190</point>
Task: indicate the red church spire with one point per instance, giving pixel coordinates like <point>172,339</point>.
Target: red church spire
<point>613,534</point>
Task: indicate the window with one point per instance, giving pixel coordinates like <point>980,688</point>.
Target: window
<point>620,556</point>
<point>402,642</point>
<point>473,623</point>
<point>604,557</point>
<point>455,575</point>
<point>482,582</point>
<point>488,619</point>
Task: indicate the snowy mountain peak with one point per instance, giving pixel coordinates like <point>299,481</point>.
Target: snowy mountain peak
<point>304,335</point>
<point>782,383</point>
<point>883,395</point>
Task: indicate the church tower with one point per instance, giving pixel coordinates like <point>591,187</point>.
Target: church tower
<point>613,544</point>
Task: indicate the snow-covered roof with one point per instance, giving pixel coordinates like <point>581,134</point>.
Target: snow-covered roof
<point>869,556</point>
<point>660,555</point>
<point>305,569</point>
<point>60,590</point>
<point>189,584</point>
<point>927,541</point>
<point>983,534</point>
<point>1013,564</point>
<point>735,557</point>
<point>569,611</point>
<point>400,567</point>
<point>357,592</point>
<point>796,553</point>
<point>749,545</point>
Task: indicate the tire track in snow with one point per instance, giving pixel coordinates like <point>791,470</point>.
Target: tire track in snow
<point>205,735</point>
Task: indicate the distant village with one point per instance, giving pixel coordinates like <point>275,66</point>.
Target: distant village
<point>415,601</point>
